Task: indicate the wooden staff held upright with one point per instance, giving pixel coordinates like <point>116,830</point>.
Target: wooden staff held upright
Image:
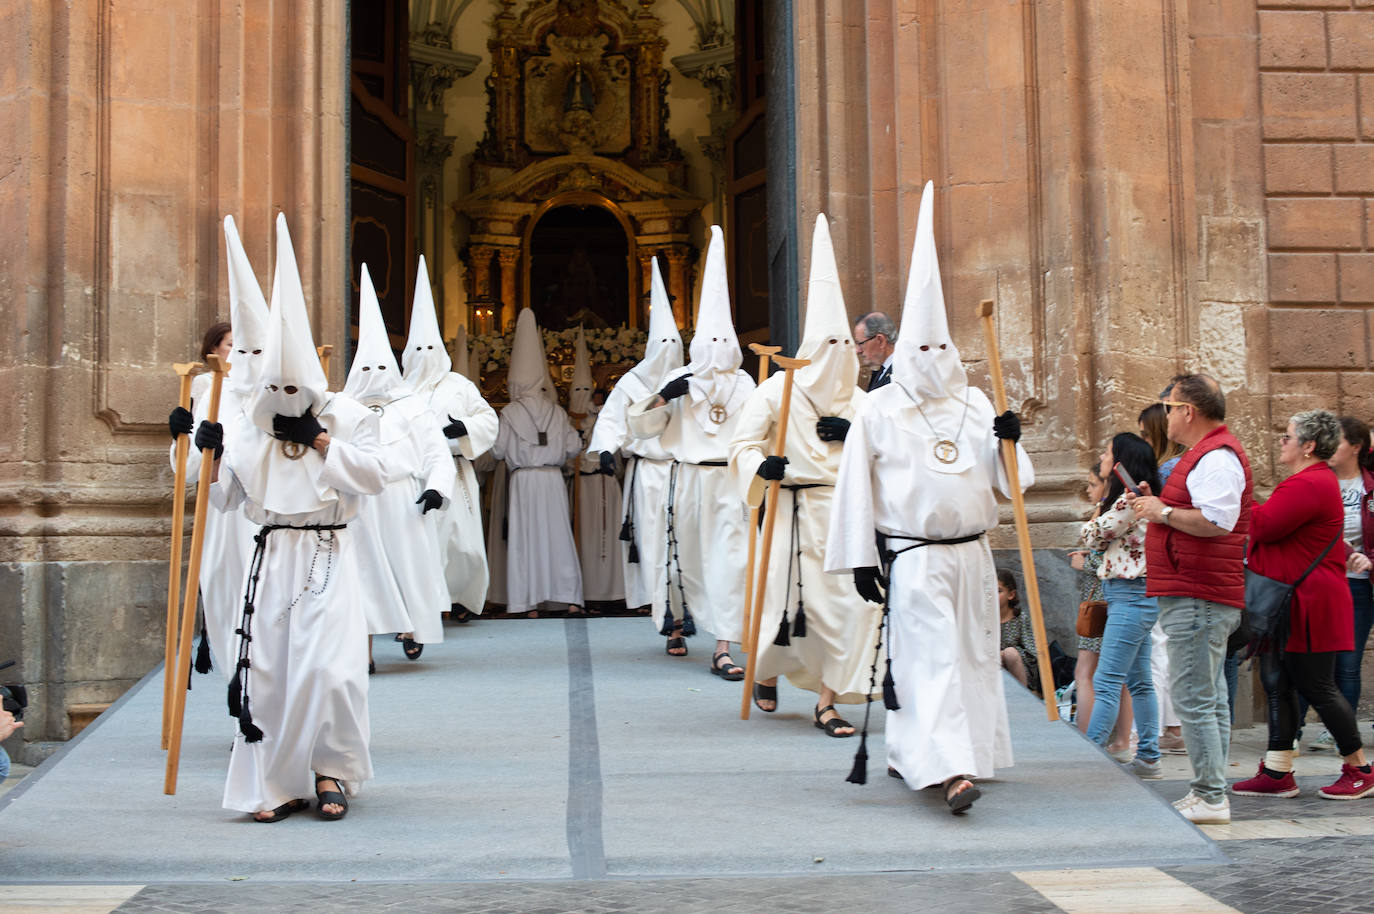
<point>324,352</point>
<point>764,353</point>
<point>1018,506</point>
<point>770,516</point>
<point>188,609</point>
<point>184,371</point>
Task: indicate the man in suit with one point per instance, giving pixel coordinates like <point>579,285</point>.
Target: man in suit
<point>875,338</point>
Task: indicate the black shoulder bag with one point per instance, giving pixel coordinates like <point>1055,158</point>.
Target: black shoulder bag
<point>1267,600</point>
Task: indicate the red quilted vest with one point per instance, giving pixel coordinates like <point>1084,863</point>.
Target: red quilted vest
<point>1179,564</point>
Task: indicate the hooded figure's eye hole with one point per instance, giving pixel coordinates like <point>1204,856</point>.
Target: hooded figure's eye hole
<point>833,341</point>
<point>429,347</point>
<point>925,348</point>
<point>367,368</point>
<point>242,351</point>
<point>257,352</point>
<point>272,387</point>
<point>418,348</point>
<point>942,345</point>
<point>290,388</point>
<point>381,368</point>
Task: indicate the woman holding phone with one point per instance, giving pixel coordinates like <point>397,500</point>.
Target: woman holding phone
<point>1119,535</point>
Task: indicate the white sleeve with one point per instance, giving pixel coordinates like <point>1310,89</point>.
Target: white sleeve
<point>1215,485</point>
<point>610,431</point>
<point>850,542</point>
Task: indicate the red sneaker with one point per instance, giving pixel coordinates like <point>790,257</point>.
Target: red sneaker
<point>1352,785</point>
<point>1264,784</point>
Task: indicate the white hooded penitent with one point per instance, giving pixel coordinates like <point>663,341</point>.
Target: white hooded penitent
<point>529,367</point>
<point>580,397</point>
<point>663,350</point>
<point>373,378</point>
<point>827,341</point>
<point>460,355</point>
<point>247,315</point>
<point>926,364</point>
<point>715,391</point>
<point>425,359</point>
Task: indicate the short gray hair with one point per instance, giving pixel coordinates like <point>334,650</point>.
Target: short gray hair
<point>876,322</point>
<point>1321,428</point>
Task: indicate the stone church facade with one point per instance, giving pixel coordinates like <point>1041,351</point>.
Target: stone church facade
<point>1142,188</point>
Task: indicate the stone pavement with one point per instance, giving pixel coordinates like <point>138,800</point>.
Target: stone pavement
<point>660,801</point>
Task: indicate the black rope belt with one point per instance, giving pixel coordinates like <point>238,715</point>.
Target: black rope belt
<point>689,624</point>
<point>916,543</point>
<point>239,706</point>
<point>707,463</point>
<point>627,526</point>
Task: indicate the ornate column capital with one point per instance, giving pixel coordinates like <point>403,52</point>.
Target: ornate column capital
<point>434,68</point>
<point>714,68</point>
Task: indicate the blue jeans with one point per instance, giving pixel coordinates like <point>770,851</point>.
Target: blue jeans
<point>1125,660</point>
<point>1197,631</point>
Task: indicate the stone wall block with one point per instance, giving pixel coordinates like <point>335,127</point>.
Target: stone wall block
<point>1231,249</point>
<point>1221,342</point>
<point>143,228</point>
<point>1356,394</point>
<point>1352,40</point>
<point>1367,106</point>
<point>1308,105</point>
<point>1354,169</point>
<point>1298,168</point>
<point>1213,92</point>
<point>1292,39</point>
<point>1316,338</point>
<point>1357,278</point>
<point>1296,391</point>
<point>1302,278</point>
<point>1315,222</point>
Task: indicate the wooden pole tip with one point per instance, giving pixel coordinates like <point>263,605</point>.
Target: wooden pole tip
<point>215,363</point>
<point>985,308</point>
<point>760,349</point>
<point>185,368</point>
<point>791,364</point>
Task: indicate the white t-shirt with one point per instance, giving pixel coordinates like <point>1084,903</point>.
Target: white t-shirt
<point>1215,486</point>
<point>1352,495</point>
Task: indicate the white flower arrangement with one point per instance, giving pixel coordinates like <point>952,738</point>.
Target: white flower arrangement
<point>605,346</point>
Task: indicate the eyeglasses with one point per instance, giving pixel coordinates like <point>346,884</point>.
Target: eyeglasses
<point>869,340</point>
<point>1170,405</point>
<point>1284,439</point>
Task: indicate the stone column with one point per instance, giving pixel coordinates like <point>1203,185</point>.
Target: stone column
<point>676,280</point>
<point>509,258</point>
<point>713,65</point>
<point>479,269</point>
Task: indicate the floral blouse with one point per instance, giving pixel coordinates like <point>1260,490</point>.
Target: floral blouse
<point>1120,536</point>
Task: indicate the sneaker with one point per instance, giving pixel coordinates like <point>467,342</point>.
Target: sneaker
<point>1352,785</point>
<point>1145,770</point>
<point>1324,742</point>
<point>1170,744</point>
<point>1198,811</point>
<point>1121,755</point>
<point>1267,784</point>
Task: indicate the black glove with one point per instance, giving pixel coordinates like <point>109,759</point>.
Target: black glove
<point>674,388</point>
<point>870,583</point>
<point>181,422</point>
<point>431,500</point>
<point>832,428</point>
<point>607,463</point>
<point>1007,427</point>
<point>455,428</point>
<point>210,434</point>
<point>300,429</point>
<point>772,468</point>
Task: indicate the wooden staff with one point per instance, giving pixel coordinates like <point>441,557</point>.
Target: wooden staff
<point>764,353</point>
<point>324,352</point>
<point>1018,506</point>
<point>184,371</point>
<point>188,610</point>
<point>770,516</point>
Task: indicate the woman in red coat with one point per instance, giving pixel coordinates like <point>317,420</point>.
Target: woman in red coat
<point>1287,534</point>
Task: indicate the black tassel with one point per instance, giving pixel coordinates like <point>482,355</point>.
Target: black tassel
<point>236,694</point>
<point>859,773</point>
<point>632,555</point>
<point>203,664</point>
<point>626,534</point>
<point>689,625</point>
<point>250,732</point>
<point>781,639</point>
<point>799,622</point>
<point>667,628</point>
<point>890,690</point>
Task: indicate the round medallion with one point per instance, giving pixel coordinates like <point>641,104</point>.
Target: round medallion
<point>293,450</point>
<point>946,451</point>
<point>717,414</point>
<point>376,408</point>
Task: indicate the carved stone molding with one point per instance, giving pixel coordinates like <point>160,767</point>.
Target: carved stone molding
<point>433,71</point>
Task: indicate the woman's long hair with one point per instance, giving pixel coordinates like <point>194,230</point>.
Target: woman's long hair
<point>1138,458</point>
<point>1154,422</point>
<point>1008,580</point>
<point>213,337</point>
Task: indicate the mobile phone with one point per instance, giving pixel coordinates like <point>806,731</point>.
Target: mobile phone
<point>1126,479</point>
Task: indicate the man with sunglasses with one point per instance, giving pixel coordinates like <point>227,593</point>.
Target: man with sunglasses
<point>1195,553</point>
<point>875,339</point>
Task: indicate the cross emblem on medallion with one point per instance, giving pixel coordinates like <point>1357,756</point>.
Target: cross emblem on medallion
<point>946,451</point>
<point>293,450</point>
<point>717,414</point>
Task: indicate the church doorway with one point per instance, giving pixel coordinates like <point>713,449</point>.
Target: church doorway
<point>580,256</point>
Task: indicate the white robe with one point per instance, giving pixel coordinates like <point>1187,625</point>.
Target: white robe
<point>598,531</point>
<point>308,679</point>
<point>459,528</point>
<point>645,492</point>
<point>837,648</point>
<point>541,558</point>
<point>228,543</point>
<point>943,630</point>
<point>399,563</point>
<point>708,519</point>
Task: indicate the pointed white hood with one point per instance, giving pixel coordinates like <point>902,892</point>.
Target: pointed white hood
<point>425,359</point>
<point>829,381</point>
<point>663,351</point>
<point>715,381</point>
<point>290,380</point>
<point>583,386</point>
<point>529,367</point>
<point>247,315</point>
<point>460,356</point>
<point>926,364</point>
<point>373,378</point>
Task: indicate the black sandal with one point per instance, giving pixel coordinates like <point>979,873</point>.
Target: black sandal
<point>833,724</point>
<point>960,800</point>
<point>677,641</point>
<point>413,649</point>
<point>724,672</point>
<point>765,693</point>
<point>461,616</point>
<point>330,798</point>
<point>285,810</point>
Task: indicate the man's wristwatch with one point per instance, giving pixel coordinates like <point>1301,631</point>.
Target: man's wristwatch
<point>1164,515</point>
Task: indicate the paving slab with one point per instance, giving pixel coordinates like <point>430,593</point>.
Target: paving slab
<point>572,750</point>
